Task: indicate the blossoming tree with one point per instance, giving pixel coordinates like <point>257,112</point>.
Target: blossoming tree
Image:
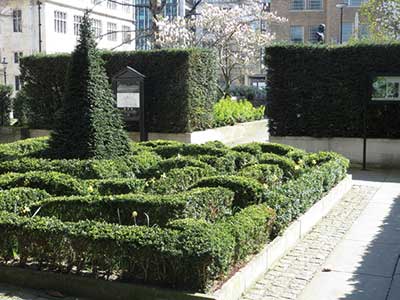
<point>236,34</point>
<point>383,18</point>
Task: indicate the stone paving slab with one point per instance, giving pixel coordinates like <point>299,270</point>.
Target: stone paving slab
<point>288,278</point>
<point>8,292</point>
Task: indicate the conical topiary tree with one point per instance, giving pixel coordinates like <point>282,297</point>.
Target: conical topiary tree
<point>89,124</point>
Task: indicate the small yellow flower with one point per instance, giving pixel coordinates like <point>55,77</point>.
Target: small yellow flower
<point>163,175</point>
<point>134,214</point>
<point>300,162</point>
<point>313,162</point>
<point>26,210</point>
<point>90,189</point>
<point>297,167</point>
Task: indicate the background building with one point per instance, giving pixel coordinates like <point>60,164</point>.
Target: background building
<point>52,26</point>
<point>305,16</point>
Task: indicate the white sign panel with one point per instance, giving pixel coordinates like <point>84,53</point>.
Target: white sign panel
<point>128,100</point>
<point>386,88</point>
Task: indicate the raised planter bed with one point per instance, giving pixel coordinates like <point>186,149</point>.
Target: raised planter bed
<point>380,152</point>
<point>255,131</point>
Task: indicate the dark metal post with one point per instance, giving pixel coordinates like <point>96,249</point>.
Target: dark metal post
<point>341,25</point>
<point>39,3</point>
<point>143,131</point>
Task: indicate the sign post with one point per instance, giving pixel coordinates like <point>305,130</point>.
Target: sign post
<point>384,89</point>
<point>128,87</point>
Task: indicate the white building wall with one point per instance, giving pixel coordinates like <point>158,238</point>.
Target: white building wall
<point>27,42</point>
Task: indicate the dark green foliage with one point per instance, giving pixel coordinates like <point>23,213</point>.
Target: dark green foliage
<point>18,199</point>
<point>320,91</point>
<point>251,228</point>
<point>54,183</point>
<point>247,190</point>
<point>116,186</point>
<point>180,86</point>
<point>89,123</point>
<point>167,165</point>
<point>25,148</point>
<point>5,104</point>
<point>126,167</point>
<point>20,108</point>
<point>178,180</point>
<point>203,219</point>
<point>269,175</point>
<point>204,203</point>
<point>288,166</point>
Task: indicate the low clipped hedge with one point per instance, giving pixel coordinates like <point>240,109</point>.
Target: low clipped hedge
<point>57,184</point>
<point>169,214</point>
<point>247,190</point>
<point>203,203</point>
<point>132,166</point>
<point>19,200</point>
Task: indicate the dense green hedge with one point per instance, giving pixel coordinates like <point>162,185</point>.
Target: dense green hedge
<point>200,210</point>
<point>180,86</point>
<point>5,104</point>
<point>204,203</point>
<point>320,91</point>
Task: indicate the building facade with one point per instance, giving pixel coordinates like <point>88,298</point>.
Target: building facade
<point>52,26</point>
<point>304,17</point>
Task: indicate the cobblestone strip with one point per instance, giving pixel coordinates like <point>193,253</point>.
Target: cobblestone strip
<point>287,279</point>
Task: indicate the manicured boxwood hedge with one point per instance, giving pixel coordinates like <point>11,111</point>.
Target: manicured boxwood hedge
<point>180,86</point>
<point>320,91</point>
<point>183,218</point>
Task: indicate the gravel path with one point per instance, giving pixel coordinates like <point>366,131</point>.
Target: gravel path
<point>287,279</point>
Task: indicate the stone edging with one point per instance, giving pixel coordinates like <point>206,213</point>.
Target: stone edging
<point>230,290</point>
<point>248,275</point>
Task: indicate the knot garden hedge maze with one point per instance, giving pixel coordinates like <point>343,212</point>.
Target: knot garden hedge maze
<point>167,214</point>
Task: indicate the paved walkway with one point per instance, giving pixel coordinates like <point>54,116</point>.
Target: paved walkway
<point>352,254</point>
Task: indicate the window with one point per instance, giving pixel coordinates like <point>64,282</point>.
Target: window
<point>126,5</point>
<point>297,34</point>
<point>306,5</point>
<point>312,31</point>
<point>17,56</point>
<point>386,88</point>
<point>126,35</point>
<point>297,5</point>
<point>171,8</point>
<point>77,24</point>
<point>111,31</point>
<point>97,27</point>
<point>356,2</point>
<point>60,22</point>
<point>17,83</point>
<point>17,20</point>
<point>111,4</point>
<point>347,31</point>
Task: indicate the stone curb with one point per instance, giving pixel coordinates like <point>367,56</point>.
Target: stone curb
<point>255,269</point>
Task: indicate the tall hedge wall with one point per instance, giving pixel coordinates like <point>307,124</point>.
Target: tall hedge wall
<point>180,86</point>
<point>320,91</point>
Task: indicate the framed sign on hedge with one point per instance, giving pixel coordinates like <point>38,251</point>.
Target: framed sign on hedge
<point>385,88</point>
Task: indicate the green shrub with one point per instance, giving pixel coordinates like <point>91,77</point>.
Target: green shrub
<point>115,186</point>
<point>224,164</point>
<point>131,166</point>
<point>54,183</point>
<point>171,150</point>
<point>167,165</point>
<point>89,124</point>
<point>178,180</point>
<point>247,190</point>
<point>5,104</point>
<point>302,103</point>
<point>189,255</point>
<point>251,228</point>
<point>230,112</point>
<point>289,167</point>
<point>180,89</point>
<point>210,204</point>
<point>17,200</point>
<point>269,175</point>
<point>25,148</point>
